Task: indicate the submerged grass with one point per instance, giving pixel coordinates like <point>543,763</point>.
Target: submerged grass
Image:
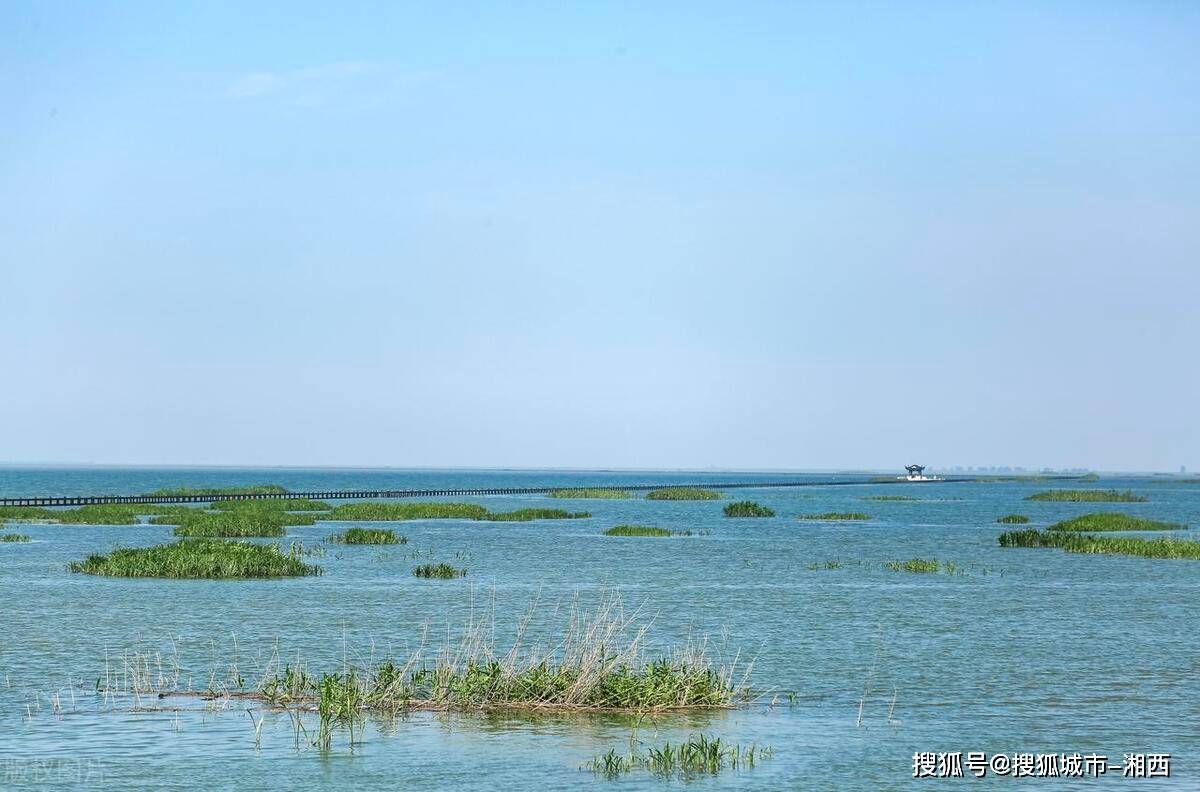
<point>14,537</point>
<point>698,755</point>
<point>439,571</point>
<point>600,493</point>
<point>368,536</point>
<point>1113,521</point>
<point>835,516</point>
<point>748,509</point>
<point>1074,542</point>
<point>1087,496</point>
<point>683,494</point>
<point>199,558</point>
<point>920,565</point>
<point>1013,519</point>
<point>643,530</point>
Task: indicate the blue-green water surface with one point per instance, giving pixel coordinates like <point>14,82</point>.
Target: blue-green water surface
<point>855,668</point>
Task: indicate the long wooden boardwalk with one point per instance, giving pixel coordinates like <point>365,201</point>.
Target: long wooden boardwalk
<point>88,500</point>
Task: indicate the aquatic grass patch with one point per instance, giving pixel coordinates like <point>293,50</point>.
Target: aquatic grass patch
<point>254,489</point>
<point>1113,521</point>
<point>368,536</point>
<point>198,559</point>
<point>26,514</point>
<point>93,514</point>
<point>1013,519</point>
<point>643,530</point>
<point>14,538</point>
<point>232,524</point>
<point>527,515</point>
<point>439,571</point>
<point>698,755</point>
<point>1087,496</point>
<point>831,564</point>
<point>917,565</point>
<point>683,494</point>
<point>281,504</point>
<point>835,516</point>
<point>747,508</point>
<point>397,512</point>
<point>1072,542</point>
<point>597,493</point>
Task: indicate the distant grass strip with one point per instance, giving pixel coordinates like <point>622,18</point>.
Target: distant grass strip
<point>836,516</point>
<point>643,530</point>
<point>747,509</point>
<point>231,524</point>
<point>683,494</point>
<point>199,559</point>
<point>1013,519</point>
<point>526,515</point>
<point>14,537</point>
<point>889,498</point>
<point>1087,496</point>
<point>95,514</point>
<point>396,512</point>
<point>254,489</point>
<point>1072,542</point>
<point>283,504</point>
<point>439,571</point>
<point>598,493</point>
<point>918,565</point>
<point>369,536</point>
<point>698,755</point>
<point>1111,521</point>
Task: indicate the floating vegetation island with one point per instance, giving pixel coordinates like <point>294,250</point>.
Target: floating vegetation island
<point>368,536</point>
<point>835,516</point>
<point>597,493</point>
<point>397,512</point>
<point>439,571</point>
<point>1087,496</point>
<point>1112,521</point>
<point>698,755</point>
<point>1013,519</point>
<point>748,509</point>
<point>919,565</point>
<point>198,559</point>
<point>683,494</point>
<point>1072,542</point>
<point>643,530</point>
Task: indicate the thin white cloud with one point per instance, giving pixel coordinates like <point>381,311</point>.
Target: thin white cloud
<point>255,84</point>
<point>315,85</point>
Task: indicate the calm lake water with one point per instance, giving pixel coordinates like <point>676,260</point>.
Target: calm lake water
<point>1032,651</point>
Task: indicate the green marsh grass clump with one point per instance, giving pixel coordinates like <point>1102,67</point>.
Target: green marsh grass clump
<point>200,559</point>
<point>255,489</point>
<point>396,512</point>
<point>1087,496</point>
<point>831,564</point>
<point>836,516</point>
<point>683,494</point>
<point>27,514</point>
<point>747,509</point>
<point>526,515</point>
<point>1013,519</point>
<point>94,514</point>
<point>439,571</point>
<point>282,504</point>
<point>14,537</point>
<point>1073,542</point>
<point>1112,521</point>
<point>368,536</point>
<point>643,530</point>
<point>597,493</point>
<point>698,755</point>
<point>231,524</point>
<point>920,565</point>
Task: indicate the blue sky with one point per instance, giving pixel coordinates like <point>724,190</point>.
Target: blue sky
<point>770,235</point>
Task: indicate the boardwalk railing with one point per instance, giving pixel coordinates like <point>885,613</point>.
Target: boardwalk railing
<point>90,500</point>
